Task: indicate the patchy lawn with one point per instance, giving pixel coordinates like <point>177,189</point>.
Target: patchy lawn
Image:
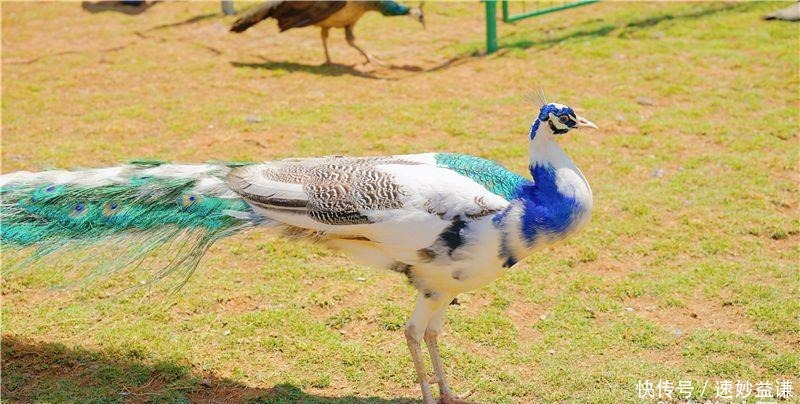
<point>688,271</point>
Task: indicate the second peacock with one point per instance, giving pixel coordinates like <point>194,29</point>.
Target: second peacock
<point>326,15</point>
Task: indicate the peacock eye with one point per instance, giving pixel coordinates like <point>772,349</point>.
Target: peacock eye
<point>563,119</point>
<point>190,199</point>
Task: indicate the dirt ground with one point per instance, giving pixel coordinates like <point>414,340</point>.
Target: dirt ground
<point>688,270</point>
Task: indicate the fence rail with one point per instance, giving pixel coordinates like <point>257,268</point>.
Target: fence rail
<point>491,17</point>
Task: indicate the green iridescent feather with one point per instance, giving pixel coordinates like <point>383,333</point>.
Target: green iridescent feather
<point>494,177</point>
<point>391,8</point>
<point>124,221</point>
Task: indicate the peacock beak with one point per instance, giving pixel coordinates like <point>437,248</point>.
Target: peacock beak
<point>419,15</point>
<point>585,123</point>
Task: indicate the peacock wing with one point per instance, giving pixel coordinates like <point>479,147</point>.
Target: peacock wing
<point>395,199</point>
<point>296,14</point>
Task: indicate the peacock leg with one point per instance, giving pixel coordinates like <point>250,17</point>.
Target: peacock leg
<point>433,330</point>
<point>325,44</point>
<point>351,40</point>
<point>425,309</point>
<point>431,333</point>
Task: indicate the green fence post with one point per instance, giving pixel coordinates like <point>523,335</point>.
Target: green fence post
<point>491,25</point>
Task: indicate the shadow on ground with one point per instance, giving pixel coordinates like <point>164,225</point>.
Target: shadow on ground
<point>36,371</point>
<point>189,21</point>
<point>332,69</point>
<point>116,6</point>
<point>513,42</point>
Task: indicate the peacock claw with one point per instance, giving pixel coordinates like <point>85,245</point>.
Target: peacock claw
<point>372,60</point>
<point>451,399</point>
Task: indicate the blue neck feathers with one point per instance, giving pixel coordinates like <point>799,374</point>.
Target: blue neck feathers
<point>391,8</point>
<point>554,204</point>
<point>534,129</point>
<point>546,210</point>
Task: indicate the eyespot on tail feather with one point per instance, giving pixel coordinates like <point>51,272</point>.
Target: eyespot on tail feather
<point>134,216</point>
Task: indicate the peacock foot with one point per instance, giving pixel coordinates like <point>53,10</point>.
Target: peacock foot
<point>450,399</point>
<point>372,60</point>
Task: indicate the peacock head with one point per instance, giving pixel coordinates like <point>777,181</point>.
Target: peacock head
<point>559,119</point>
<point>417,14</point>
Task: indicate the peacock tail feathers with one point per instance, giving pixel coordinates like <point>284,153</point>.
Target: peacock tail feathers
<point>119,216</point>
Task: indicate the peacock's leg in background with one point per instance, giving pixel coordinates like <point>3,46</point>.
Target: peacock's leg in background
<point>431,333</point>
<point>425,309</point>
<point>325,44</point>
<point>433,330</point>
<point>351,40</point>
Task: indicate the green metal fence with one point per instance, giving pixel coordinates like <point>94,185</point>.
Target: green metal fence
<point>491,16</point>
